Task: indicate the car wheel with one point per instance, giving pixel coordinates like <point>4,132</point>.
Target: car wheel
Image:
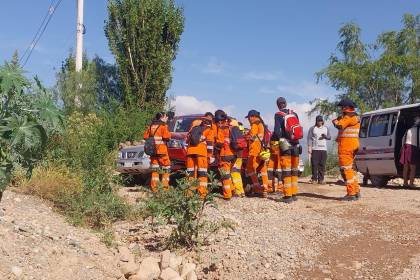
<point>379,181</point>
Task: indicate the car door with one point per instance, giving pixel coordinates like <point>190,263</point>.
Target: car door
<point>380,144</point>
<point>362,157</point>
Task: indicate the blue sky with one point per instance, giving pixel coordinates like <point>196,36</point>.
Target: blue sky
<point>234,54</point>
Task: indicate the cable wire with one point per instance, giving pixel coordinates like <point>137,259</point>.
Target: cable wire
<point>37,32</point>
<point>41,30</point>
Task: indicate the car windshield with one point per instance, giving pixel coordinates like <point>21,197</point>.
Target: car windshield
<point>182,125</point>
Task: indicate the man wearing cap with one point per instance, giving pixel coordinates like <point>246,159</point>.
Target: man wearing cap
<point>348,125</point>
<point>255,164</point>
<point>227,156</point>
<point>289,153</point>
<point>317,149</point>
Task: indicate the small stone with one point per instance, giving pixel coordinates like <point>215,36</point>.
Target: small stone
<point>168,274</point>
<point>128,269</point>
<point>191,276</point>
<point>149,269</point>
<point>357,265</point>
<point>17,199</point>
<point>125,254</point>
<point>165,259</point>
<point>267,265</point>
<point>175,262</point>
<point>17,271</point>
<point>280,276</point>
<point>187,268</point>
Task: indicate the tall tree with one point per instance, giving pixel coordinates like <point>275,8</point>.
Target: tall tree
<point>144,36</point>
<point>375,76</point>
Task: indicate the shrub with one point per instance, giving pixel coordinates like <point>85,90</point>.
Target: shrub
<point>53,182</point>
<point>185,209</point>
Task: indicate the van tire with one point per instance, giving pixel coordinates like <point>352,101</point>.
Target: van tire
<point>379,181</point>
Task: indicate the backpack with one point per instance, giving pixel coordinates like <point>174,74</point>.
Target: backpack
<point>195,134</point>
<point>150,148</point>
<point>292,126</point>
<point>237,139</point>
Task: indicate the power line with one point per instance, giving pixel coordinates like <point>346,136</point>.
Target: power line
<point>37,32</point>
<point>43,27</point>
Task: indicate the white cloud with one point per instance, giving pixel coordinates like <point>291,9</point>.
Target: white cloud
<point>186,104</point>
<point>305,89</point>
<point>214,66</point>
<point>262,76</point>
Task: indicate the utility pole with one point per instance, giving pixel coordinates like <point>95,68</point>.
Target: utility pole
<point>79,36</point>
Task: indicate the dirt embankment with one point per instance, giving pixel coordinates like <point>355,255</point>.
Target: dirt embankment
<point>318,237</point>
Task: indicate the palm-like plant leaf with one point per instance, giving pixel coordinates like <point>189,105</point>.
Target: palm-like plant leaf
<point>23,135</point>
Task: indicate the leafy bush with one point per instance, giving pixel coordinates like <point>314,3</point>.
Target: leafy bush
<point>185,209</point>
<point>28,116</point>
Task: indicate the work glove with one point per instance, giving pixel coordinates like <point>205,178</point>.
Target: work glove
<point>212,160</point>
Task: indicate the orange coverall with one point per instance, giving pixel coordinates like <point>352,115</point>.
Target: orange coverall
<point>197,159</point>
<point>226,158</point>
<point>160,163</point>
<point>275,182</point>
<point>255,165</point>
<point>348,143</point>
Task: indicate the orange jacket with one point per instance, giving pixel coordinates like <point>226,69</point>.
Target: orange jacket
<point>255,136</point>
<point>160,132</point>
<point>348,131</point>
<point>205,148</point>
<point>223,141</point>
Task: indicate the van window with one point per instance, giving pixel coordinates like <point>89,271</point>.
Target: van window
<point>394,118</point>
<point>364,125</point>
<point>379,125</point>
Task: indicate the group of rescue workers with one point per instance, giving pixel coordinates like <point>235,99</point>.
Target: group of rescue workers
<point>272,159</point>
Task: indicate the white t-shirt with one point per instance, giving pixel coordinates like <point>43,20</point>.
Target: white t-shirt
<point>411,136</point>
<point>315,141</point>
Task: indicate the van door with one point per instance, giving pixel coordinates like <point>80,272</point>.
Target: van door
<point>361,162</point>
<point>380,144</point>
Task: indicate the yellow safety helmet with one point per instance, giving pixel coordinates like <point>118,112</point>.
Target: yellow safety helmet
<point>265,155</point>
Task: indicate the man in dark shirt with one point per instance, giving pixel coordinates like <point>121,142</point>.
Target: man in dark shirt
<point>289,152</point>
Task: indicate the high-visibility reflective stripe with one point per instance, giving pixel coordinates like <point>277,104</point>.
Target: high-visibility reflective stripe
<point>157,137</point>
<point>190,169</point>
<point>350,181</point>
<point>202,169</point>
<point>227,140</point>
<point>345,167</point>
<point>209,147</point>
<point>155,178</point>
<point>260,136</point>
<point>234,169</point>
<point>236,180</point>
<point>159,142</point>
<point>154,166</point>
<point>286,186</point>
<point>287,170</point>
<point>227,187</point>
<point>264,174</point>
<point>270,169</point>
<point>203,184</point>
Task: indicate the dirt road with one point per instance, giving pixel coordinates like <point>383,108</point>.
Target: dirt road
<point>318,237</point>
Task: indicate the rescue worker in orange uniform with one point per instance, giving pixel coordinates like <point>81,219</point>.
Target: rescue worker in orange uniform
<point>275,182</point>
<point>237,183</point>
<point>160,163</point>
<point>226,156</point>
<point>289,153</point>
<point>256,165</point>
<point>348,125</point>
<point>199,156</point>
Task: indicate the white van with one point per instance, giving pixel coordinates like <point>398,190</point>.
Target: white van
<point>381,134</point>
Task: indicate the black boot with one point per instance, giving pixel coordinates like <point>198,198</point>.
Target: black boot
<point>350,198</point>
<point>294,197</point>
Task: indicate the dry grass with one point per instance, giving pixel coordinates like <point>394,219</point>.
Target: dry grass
<point>51,182</point>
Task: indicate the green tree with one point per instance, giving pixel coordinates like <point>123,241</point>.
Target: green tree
<point>77,90</point>
<point>95,86</point>
<point>144,35</point>
<point>379,75</point>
